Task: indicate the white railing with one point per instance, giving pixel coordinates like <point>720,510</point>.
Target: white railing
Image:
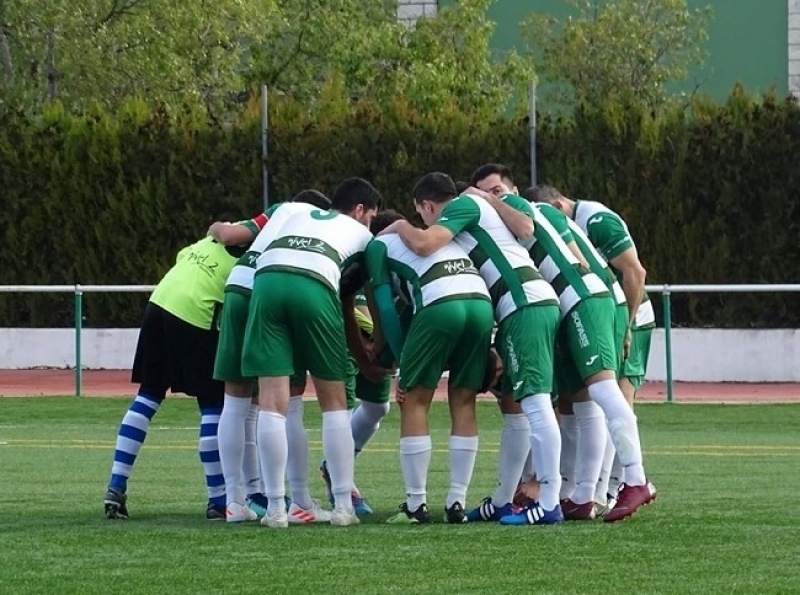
<point>665,290</point>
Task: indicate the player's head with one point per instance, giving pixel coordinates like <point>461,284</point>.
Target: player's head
<point>432,192</point>
<point>383,220</point>
<point>551,196</point>
<point>357,198</point>
<point>314,198</point>
<point>494,178</point>
<point>461,186</point>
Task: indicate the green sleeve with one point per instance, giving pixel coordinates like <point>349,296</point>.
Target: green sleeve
<point>609,234</point>
<point>519,203</point>
<point>376,258</point>
<point>558,220</point>
<point>389,320</point>
<point>460,214</point>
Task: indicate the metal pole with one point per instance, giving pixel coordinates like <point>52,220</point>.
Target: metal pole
<point>78,333</point>
<point>532,131</point>
<point>265,145</point>
<point>667,305</point>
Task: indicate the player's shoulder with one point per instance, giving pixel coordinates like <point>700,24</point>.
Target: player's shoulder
<point>594,213</point>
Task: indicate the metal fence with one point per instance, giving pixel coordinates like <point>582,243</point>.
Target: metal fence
<point>665,290</point>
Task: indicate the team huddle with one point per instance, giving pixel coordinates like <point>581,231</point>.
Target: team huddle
<point>532,296</point>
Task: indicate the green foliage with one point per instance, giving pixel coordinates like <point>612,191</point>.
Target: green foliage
<point>624,50</point>
<point>109,197</point>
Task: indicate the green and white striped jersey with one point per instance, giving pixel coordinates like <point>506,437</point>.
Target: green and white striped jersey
<point>318,244</point>
<point>243,272</point>
<point>421,281</point>
<point>597,263</point>
<point>510,274</point>
<point>555,261</point>
<point>609,233</point>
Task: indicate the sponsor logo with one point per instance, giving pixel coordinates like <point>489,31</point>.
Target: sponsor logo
<point>597,219</point>
<point>582,338</point>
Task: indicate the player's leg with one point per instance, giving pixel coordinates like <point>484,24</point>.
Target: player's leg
<point>422,362</point>
<point>467,364</point>
<point>151,372</point>
<point>594,353</point>
<point>527,338</point>
<point>268,354</point>
<point>233,421</point>
<point>318,327</point>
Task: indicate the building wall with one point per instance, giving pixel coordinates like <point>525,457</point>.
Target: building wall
<point>794,46</point>
<point>409,11</point>
<point>747,41</point>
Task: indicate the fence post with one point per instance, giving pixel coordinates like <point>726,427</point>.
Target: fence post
<point>667,305</point>
<point>78,333</point>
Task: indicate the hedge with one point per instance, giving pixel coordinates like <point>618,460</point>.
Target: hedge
<point>709,192</point>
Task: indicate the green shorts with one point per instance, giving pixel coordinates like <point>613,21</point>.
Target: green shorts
<point>373,392</point>
<point>286,334</point>
<point>587,343</point>
<point>525,341</point>
<point>233,322</point>
<point>451,335</point>
<point>635,367</point>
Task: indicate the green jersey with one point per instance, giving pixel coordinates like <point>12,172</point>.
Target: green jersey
<point>511,276</point>
<point>609,233</point>
<point>597,264</point>
<point>555,261</point>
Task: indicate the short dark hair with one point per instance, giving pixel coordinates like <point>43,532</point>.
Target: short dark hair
<point>353,192</point>
<point>383,220</point>
<point>461,186</point>
<point>435,187</point>
<point>541,193</point>
<point>488,169</point>
<point>313,197</point>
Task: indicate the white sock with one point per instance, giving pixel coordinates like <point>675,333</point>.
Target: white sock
<point>623,427</point>
<point>568,424</point>
<point>365,421</point>
<point>297,463</point>
<point>415,458</point>
<point>546,446</point>
<point>591,446</point>
<point>616,477</point>
<point>529,468</point>
<point>601,492</point>
<point>273,452</point>
<point>463,450</point>
<point>231,437</point>
<point>251,467</point>
<point>337,447</point>
<point>515,445</point>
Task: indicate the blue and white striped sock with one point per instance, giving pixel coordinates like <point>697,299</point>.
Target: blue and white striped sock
<point>208,448</point>
<point>130,437</point>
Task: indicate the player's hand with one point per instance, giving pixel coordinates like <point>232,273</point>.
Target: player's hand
<point>399,395</point>
<point>626,346</point>
<point>478,192</point>
<point>214,229</point>
<point>392,228</point>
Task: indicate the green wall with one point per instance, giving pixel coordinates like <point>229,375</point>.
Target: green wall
<point>748,41</point>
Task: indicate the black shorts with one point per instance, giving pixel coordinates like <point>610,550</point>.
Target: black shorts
<point>174,355</point>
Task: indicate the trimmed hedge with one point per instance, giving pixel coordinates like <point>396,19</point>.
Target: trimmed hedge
<point>710,193</point>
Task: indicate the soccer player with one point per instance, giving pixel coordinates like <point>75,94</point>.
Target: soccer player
<point>238,419</point>
<point>175,351</point>
<point>527,313</point>
<point>451,329</point>
<point>587,341</point>
<point>296,323</point>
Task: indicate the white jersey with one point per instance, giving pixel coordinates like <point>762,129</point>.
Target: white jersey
<point>244,270</point>
<point>596,261</point>
<point>506,267</point>
<point>318,244</point>
<point>446,274</point>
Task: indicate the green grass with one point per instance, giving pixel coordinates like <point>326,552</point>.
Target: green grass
<point>727,519</point>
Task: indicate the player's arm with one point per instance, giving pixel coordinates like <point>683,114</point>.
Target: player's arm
<point>634,276</point>
<point>237,234</point>
<point>386,319</point>
<point>422,242</point>
<point>516,213</point>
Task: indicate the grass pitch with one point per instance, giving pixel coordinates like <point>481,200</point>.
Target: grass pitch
<point>726,521</point>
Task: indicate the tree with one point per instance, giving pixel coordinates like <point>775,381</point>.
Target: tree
<point>625,50</point>
<point>85,51</point>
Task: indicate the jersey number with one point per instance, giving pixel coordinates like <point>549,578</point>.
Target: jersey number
<point>323,215</point>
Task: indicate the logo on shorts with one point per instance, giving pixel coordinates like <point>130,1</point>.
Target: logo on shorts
<point>517,385</point>
<point>591,360</point>
<point>582,338</point>
<point>512,356</point>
